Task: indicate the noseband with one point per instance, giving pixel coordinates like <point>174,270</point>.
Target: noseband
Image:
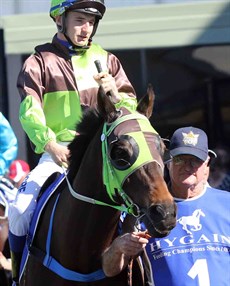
<point>113,175</point>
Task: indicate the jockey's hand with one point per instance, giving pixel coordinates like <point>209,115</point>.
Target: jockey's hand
<point>107,82</point>
<point>59,153</point>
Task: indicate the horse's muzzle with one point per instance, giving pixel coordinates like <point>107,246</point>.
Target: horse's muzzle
<point>160,219</point>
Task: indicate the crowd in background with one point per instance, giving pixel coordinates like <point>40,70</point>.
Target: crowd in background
<point>220,169</point>
<point>12,172</point>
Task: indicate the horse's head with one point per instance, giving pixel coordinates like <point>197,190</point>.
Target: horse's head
<point>133,169</point>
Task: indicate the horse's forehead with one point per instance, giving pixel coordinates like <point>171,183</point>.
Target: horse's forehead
<point>134,125</point>
<point>149,134</point>
<point>127,127</point>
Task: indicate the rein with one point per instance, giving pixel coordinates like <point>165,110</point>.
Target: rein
<point>91,200</point>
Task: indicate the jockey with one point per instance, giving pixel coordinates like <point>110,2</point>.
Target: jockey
<point>8,145</point>
<point>56,84</point>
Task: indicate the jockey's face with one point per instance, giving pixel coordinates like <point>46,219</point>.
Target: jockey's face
<point>188,175</point>
<point>79,27</point>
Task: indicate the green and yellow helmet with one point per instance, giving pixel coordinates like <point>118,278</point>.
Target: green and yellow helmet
<point>95,7</point>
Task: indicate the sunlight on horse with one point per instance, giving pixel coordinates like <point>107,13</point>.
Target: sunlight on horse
<point>116,165</point>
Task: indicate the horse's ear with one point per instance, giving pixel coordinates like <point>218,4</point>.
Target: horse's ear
<point>146,103</point>
<point>105,106</point>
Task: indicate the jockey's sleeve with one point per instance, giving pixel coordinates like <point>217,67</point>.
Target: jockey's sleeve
<point>33,121</point>
<point>125,88</point>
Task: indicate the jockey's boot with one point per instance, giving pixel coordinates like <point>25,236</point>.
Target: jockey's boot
<point>15,261</point>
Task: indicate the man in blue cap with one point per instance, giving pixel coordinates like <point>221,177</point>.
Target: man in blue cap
<point>189,164</point>
<point>196,252</point>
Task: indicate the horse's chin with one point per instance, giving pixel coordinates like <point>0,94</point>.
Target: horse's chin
<point>160,230</point>
<point>153,232</point>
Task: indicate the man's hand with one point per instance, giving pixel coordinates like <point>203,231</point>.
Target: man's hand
<point>59,153</point>
<point>117,256</point>
<point>107,82</point>
<point>131,244</point>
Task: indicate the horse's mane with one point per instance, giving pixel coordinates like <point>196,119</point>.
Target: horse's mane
<point>86,130</point>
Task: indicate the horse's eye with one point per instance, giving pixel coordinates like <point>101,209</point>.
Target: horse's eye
<point>123,152</point>
<point>119,156</point>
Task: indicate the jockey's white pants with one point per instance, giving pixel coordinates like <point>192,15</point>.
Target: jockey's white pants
<point>22,209</point>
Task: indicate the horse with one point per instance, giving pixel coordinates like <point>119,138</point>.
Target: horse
<point>193,220</point>
<point>115,166</point>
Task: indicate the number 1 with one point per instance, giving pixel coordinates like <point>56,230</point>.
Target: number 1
<point>200,269</point>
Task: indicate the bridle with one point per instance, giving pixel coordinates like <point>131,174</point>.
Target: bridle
<point>114,177</point>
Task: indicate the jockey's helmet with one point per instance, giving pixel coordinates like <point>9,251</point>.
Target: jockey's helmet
<point>93,7</point>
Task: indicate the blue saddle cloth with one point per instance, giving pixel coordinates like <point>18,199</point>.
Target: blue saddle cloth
<point>36,216</point>
<point>48,261</point>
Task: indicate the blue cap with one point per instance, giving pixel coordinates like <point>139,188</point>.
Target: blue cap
<point>190,141</point>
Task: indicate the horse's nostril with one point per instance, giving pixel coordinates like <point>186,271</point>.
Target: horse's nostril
<point>161,211</point>
<point>160,219</point>
<point>171,227</point>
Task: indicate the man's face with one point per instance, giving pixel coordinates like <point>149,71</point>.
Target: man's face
<point>79,27</point>
<point>188,175</point>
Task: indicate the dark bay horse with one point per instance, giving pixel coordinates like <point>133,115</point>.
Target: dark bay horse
<point>115,165</point>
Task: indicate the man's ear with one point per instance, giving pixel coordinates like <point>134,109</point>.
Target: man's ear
<point>207,168</point>
<point>209,161</point>
<point>167,165</point>
<point>206,173</point>
<point>58,21</point>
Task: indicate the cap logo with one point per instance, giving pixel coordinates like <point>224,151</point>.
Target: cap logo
<point>190,138</point>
